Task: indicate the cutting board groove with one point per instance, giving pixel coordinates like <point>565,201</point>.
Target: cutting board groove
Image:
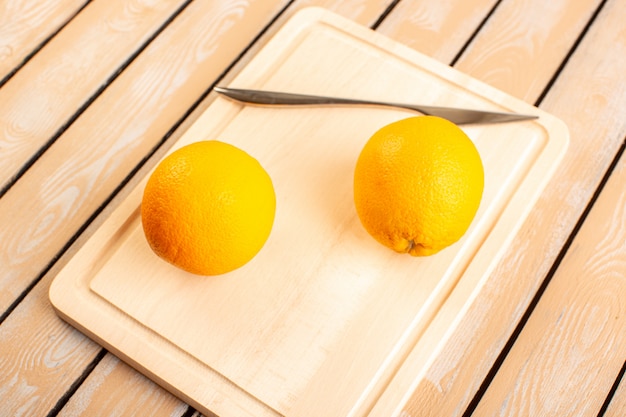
<point>324,316</point>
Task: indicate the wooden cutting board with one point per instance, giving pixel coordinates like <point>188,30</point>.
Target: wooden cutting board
<point>323,318</point>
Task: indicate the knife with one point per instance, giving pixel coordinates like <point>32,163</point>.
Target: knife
<point>455,115</point>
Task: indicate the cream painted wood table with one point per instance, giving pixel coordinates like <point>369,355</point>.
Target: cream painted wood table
<point>94,93</point>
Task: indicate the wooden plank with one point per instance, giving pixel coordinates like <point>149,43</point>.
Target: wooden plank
<point>44,95</point>
<point>93,206</point>
<point>438,29</point>
<point>617,406</point>
<point>364,12</point>
<point>41,356</point>
<point>518,60</point>
<point>117,390</point>
<point>577,332</point>
<point>24,25</point>
<point>466,358</point>
<point>364,16</point>
<point>46,202</point>
<point>14,209</point>
<point>531,39</point>
<point>115,133</point>
<point>261,363</point>
<point>97,388</point>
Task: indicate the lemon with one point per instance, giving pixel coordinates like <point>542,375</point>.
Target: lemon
<point>418,183</point>
<point>208,208</point>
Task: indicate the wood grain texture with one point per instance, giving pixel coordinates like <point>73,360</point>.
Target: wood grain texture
<point>41,356</point>
<point>438,29</point>
<point>453,377</point>
<point>44,95</point>
<point>46,202</point>
<point>118,390</point>
<point>25,24</point>
<point>115,133</point>
<point>617,406</point>
<point>524,43</point>
<point>578,329</point>
<point>347,308</point>
<point>366,12</point>
<point>473,349</point>
<point>47,213</point>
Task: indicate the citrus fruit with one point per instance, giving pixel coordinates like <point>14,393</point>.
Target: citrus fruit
<point>418,183</point>
<point>208,208</point>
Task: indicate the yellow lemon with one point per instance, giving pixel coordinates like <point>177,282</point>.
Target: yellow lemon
<point>208,208</point>
<point>418,183</point>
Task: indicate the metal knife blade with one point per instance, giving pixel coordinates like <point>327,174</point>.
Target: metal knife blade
<point>455,115</point>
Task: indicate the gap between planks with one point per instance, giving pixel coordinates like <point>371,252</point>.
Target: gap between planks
<point>4,188</point>
<point>53,27</point>
<point>92,365</point>
<point>377,23</point>
<point>79,233</point>
<point>540,291</point>
<point>55,262</point>
<point>570,53</point>
<point>474,352</point>
<point>615,404</point>
<point>89,99</point>
<point>482,24</point>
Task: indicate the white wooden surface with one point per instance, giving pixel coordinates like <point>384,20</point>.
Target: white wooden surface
<point>617,404</point>
<point>284,328</point>
<point>583,306</point>
<point>24,25</point>
<point>44,360</point>
<point>595,140</point>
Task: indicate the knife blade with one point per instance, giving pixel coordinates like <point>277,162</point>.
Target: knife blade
<point>455,115</point>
